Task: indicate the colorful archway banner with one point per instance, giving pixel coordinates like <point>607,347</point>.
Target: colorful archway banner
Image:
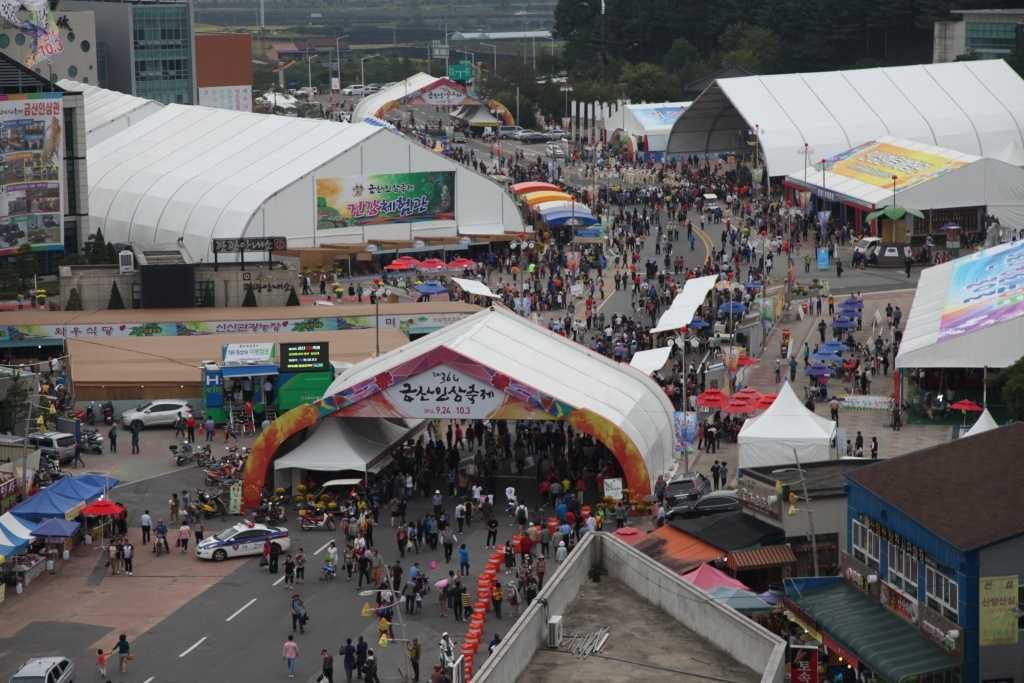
<point>442,384</point>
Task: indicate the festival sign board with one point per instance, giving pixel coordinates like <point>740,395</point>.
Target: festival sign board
<point>305,357</point>
<point>653,118</point>
<point>249,352</point>
<point>875,163</point>
<point>985,289</point>
<point>31,172</point>
<point>998,617</point>
<point>346,201</point>
<point>444,392</point>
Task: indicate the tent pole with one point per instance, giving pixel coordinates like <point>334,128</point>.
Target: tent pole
<point>984,387</point>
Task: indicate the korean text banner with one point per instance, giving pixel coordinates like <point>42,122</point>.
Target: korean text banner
<point>998,618</point>
<point>985,289</point>
<point>32,163</point>
<point>876,163</point>
<point>386,198</point>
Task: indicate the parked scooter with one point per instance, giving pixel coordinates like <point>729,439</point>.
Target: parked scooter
<point>312,521</point>
<point>108,413</point>
<point>209,505</point>
<point>92,442</point>
<point>183,454</point>
<point>268,513</point>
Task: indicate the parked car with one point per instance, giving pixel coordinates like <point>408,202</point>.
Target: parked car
<point>353,90</point>
<point>244,538</point>
<point>458,138</point>
<point>683,491</point>
<point>556,134</point>
<point>554,150</point>
<point>156,413</point>
<point>866,244</point>
<point>45,670</point>
<point>531,137</point>
<point>54,445</point>
<point>508,132</point>
<point>709,504</point>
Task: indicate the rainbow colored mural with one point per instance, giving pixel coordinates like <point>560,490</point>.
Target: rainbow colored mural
<point>452,386</point>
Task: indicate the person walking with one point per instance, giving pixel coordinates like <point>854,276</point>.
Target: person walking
<point>361,653</point>
<point>146,522</point>
<point>497,597</point>
<point>174,506</point>
<point>298,612</point>
<point>77,461</point>
<point>414,658</point>
<point>371,668</point>
<point>289,571</point>
<point>463,560</point>
<point>112,436</point>
<point>135,437</point>
<point>326,666</point>
<point>348,654</point>
<point>184,534</point>
<point>128,554</point>
<point>290,654</point>
<point>124,653</point>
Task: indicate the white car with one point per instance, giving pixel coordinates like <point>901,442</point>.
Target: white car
<point>156,413</point>
<point>45,670</point>
<point>353,90</point>
<point>244,538</point>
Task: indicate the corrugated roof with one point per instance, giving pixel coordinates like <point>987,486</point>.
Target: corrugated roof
<point>108,111</point>
<point>371,104</point>
<point>972,107</point>
<point>950,479</point>
<point>759,558</point>
<point>730,530</point>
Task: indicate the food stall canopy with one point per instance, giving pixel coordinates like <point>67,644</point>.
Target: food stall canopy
<point>86,487</point>
<point>11,545</point>
<point>578,207</point>
<point>15,528</point>
<point>338,444</point>
<point>771,437</point>
<point>958,321</point>
<point>707,577</point>
<point>56,528</point>
<point>475,287</point>
<point>685,305</point>
<point>649,362</point>
<point>47,503</point>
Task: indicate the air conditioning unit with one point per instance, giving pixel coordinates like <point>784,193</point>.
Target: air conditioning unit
<point>126,262</point>
<point>555,631</point>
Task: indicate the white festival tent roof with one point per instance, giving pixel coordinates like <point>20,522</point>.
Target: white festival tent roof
<point>959,319</point>
<point>973,107</point>
<point>475,287</point>
<point>194,173</point>
<point>550,363</point>
<point>651,119</point>
<point>651,361</point>
<point>948,179</point>
<point>984,424</point>
<point>371,104</point>
<point>770,438</point>
<point>686,303</point>
<point>108,111</point>
<point>340,444</point>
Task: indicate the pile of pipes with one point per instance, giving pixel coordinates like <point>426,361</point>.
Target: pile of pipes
<point>582,645</point>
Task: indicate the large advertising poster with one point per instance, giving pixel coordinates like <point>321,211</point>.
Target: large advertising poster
<point>999,598</point>
<point>233,97</point>
<point>347,201</point>
<point>875,163</point>
<point>31,172</point>
<point>985,289</point>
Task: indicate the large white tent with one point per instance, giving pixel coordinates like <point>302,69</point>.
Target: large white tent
<point>967,313</point>
<point>358,444</point>
<point>927,177</point>
<point>189,174</point>
<point>651,121</point>
<point>108,111</point>
<point>547,362</point>
<point>770,438</point>
<point>976,107</point>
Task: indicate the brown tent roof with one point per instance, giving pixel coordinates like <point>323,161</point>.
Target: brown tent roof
<point>943,487</point>
<point>142,360</point>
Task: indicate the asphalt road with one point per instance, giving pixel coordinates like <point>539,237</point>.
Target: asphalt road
<point>233,632</point>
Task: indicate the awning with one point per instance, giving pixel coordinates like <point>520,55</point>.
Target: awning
<point>686,303</point>
<point>360,444</point>
<point>892,648</point>
<point>676,549</point>
<point>248,370</point>
<point>475,287</point>
<point>760,558</point>
<point>651,361</point>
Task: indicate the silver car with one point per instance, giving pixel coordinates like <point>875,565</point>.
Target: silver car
<point>45,670</point>
<point>156,413</point>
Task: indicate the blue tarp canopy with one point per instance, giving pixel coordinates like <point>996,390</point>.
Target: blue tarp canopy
<point>47,503</point>
<point>431,288</point>
<point>10,546</point>
<point>56,528</point>
<point>101,481</point>
<point>86,487</point>
<point>732,308</point>
<point>15,534</point>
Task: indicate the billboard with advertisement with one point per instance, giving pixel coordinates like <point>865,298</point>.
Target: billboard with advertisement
<point>657,117</point>
<point>985,289</point>
<point>232,97</point>
<point>442,93</point>
<point>32,156</point>
<point>998,596</point>
<point>347,201</point>
<point>875,163</point>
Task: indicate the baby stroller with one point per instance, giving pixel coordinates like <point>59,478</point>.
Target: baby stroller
<point>328,572</point>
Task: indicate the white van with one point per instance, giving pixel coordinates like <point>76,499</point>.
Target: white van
<point>710,202</point>
<point>865,244</point>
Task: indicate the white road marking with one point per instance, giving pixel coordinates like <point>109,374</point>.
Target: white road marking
<point>322,548</point>
<point>194,646</point>
<point>149,680</point>
<point>241,609</point>
<point>278,582</point>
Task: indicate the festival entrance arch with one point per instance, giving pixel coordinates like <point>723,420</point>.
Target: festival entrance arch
<point>499,366</point>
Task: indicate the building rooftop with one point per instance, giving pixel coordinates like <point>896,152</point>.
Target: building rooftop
<point>635,649</point>
<point>824,479</point>
<point>940,487</point>
<point>1010,12</point>
<point>730,531</point>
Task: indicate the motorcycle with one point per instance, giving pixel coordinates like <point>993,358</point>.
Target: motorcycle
<point>204,456</point>
<point>90,414</point>
<point>92,442</point>
<point>321,520</point>
<point>270,514</point>
<point>209,505</point>
<point>108,413</point>
<point>181,455</point>
<point>219,475</point>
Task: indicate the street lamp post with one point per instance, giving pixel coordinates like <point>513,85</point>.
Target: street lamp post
<point>495,48</point>
<point>337,54</point>
<point>362,69</point>
<point>807,500</point>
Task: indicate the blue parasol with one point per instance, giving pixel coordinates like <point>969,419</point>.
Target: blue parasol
<point>698,324</point>
<point>818,370</point>
<point>826,357</point>
<point>843,324</point>
<point>851,301</point>
<point>431,288</point>
<point>732,308</point>
<point>833,347</point>
<point>754,285</point>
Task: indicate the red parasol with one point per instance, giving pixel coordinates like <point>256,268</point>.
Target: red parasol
<point>765,401</point>
<point>432,264</point>
<point>748,392</point>
<point>967,406</point>
<point>402,263</point>
<point>738,406</point>
<point>461,263</point>
<point>102,508</point>
<point>744,361</point>
<point>712,398</point>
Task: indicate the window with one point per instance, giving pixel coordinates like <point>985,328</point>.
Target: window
<point>866,545</point>
<point>942,594</point>
<point>903,570</point>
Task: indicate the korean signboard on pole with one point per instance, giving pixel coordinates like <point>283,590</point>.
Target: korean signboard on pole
<point>32,152</point>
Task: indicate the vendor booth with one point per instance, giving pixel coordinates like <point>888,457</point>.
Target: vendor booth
<point>786,426</point>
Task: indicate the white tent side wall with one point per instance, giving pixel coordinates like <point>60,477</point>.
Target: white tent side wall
<point>778,451</point>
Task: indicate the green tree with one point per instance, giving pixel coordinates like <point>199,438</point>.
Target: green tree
<point>116,303</point>
<point>754,48</point>
<point>1011,381</point>
<point>74,300</point>
<point>649,83</point>
<point>14,405</point>
<point>680,55</point>
<point>250,297</point>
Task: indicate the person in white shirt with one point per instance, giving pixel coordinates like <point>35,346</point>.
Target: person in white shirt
<point>146,522</point>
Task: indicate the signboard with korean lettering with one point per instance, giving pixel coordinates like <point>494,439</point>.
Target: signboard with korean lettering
<point>31,172</point>
<point>304,357</point>
<point>803,663</point>
<point>998,598</point>
<point>249,352</point>
<point>231,245</point>
<point>347,201</point>
<point>443,392</point>
<point>613,488</point>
